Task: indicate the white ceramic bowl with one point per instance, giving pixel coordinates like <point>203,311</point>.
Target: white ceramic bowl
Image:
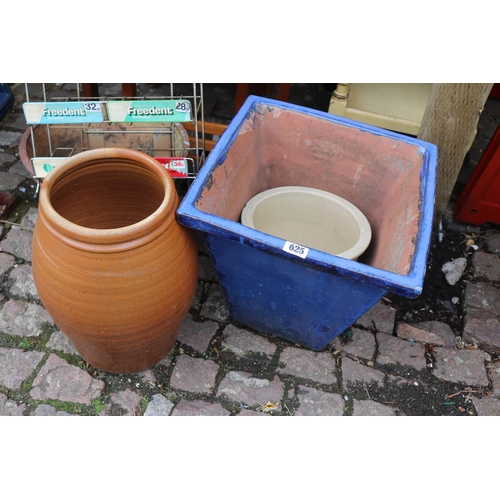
<point>310,217</point>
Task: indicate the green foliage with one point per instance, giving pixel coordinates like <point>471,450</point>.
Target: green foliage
<point>144,404</point>
<point>97,406</point>
<point>26,343</point>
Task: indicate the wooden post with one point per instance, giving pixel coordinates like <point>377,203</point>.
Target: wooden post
<point>90,89</point>
<point>450,121</point>
<point>129,90</point>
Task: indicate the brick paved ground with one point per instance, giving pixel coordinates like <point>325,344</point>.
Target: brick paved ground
<point>384,365</point>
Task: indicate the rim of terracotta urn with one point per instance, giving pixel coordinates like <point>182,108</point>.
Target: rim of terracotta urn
<point>115,238</point>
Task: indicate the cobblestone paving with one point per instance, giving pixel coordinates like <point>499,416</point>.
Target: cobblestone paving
<point>383,365</point>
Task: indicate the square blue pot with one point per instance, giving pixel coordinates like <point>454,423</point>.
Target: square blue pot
<point>391,178</point>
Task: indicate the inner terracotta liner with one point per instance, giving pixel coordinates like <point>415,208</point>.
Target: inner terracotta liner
<point>281,147</point>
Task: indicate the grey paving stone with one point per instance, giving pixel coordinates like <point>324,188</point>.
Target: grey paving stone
<point>486,266</point>
<point>6,262</point>
<point>6,159</point>
<point>393,350</point>
<point>483,332</point>
<point>487,407</point>
<point>17,365</point>
<point>429,332</point>
<point>494,375</point>
<point>313,402</point>
<point>19,169</point>
<point>440,329</point>
<point>9,408</point>
<point>64,382</point>
<point>493,242</point>
<point>215,306</point>
<point>242,387</point>
<point>9,181</point>
<point>460,365</point>
<point>380,317</point>
<point>148,377</point>
<point>23,286</point>
<point>251,413</point>
<point>126,400</point>
<point>482,316</point>
<point>370,408</point>
<point>244,343</point>
<point>9,139</point>
<point>355,373</point>
<point>23,319</point>
<point>482,296</point>
<point>199,408</point>
<point>197,335</point>
<point>18,242</point>
<point>59,342</point>
<point>166,361</point>
<point>36,92</point>
<point>159,406</point>
<point>45,410</point>
<point>29,220</point>
<point>316,366</point>
<point>359,343</point>
<point>195,375</point>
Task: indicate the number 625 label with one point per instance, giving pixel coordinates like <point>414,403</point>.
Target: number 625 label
<point>295,249</point>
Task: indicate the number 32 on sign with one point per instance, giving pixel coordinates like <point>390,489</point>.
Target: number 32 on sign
<point>295,249</point>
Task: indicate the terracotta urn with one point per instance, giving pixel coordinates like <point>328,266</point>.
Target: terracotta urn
<point>111,264</point>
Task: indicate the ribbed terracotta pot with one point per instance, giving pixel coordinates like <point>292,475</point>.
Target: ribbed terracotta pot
<point>112,266</point>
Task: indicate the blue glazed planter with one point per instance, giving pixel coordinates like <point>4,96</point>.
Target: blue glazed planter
<point>6,99</point>
<point>311,297</point>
